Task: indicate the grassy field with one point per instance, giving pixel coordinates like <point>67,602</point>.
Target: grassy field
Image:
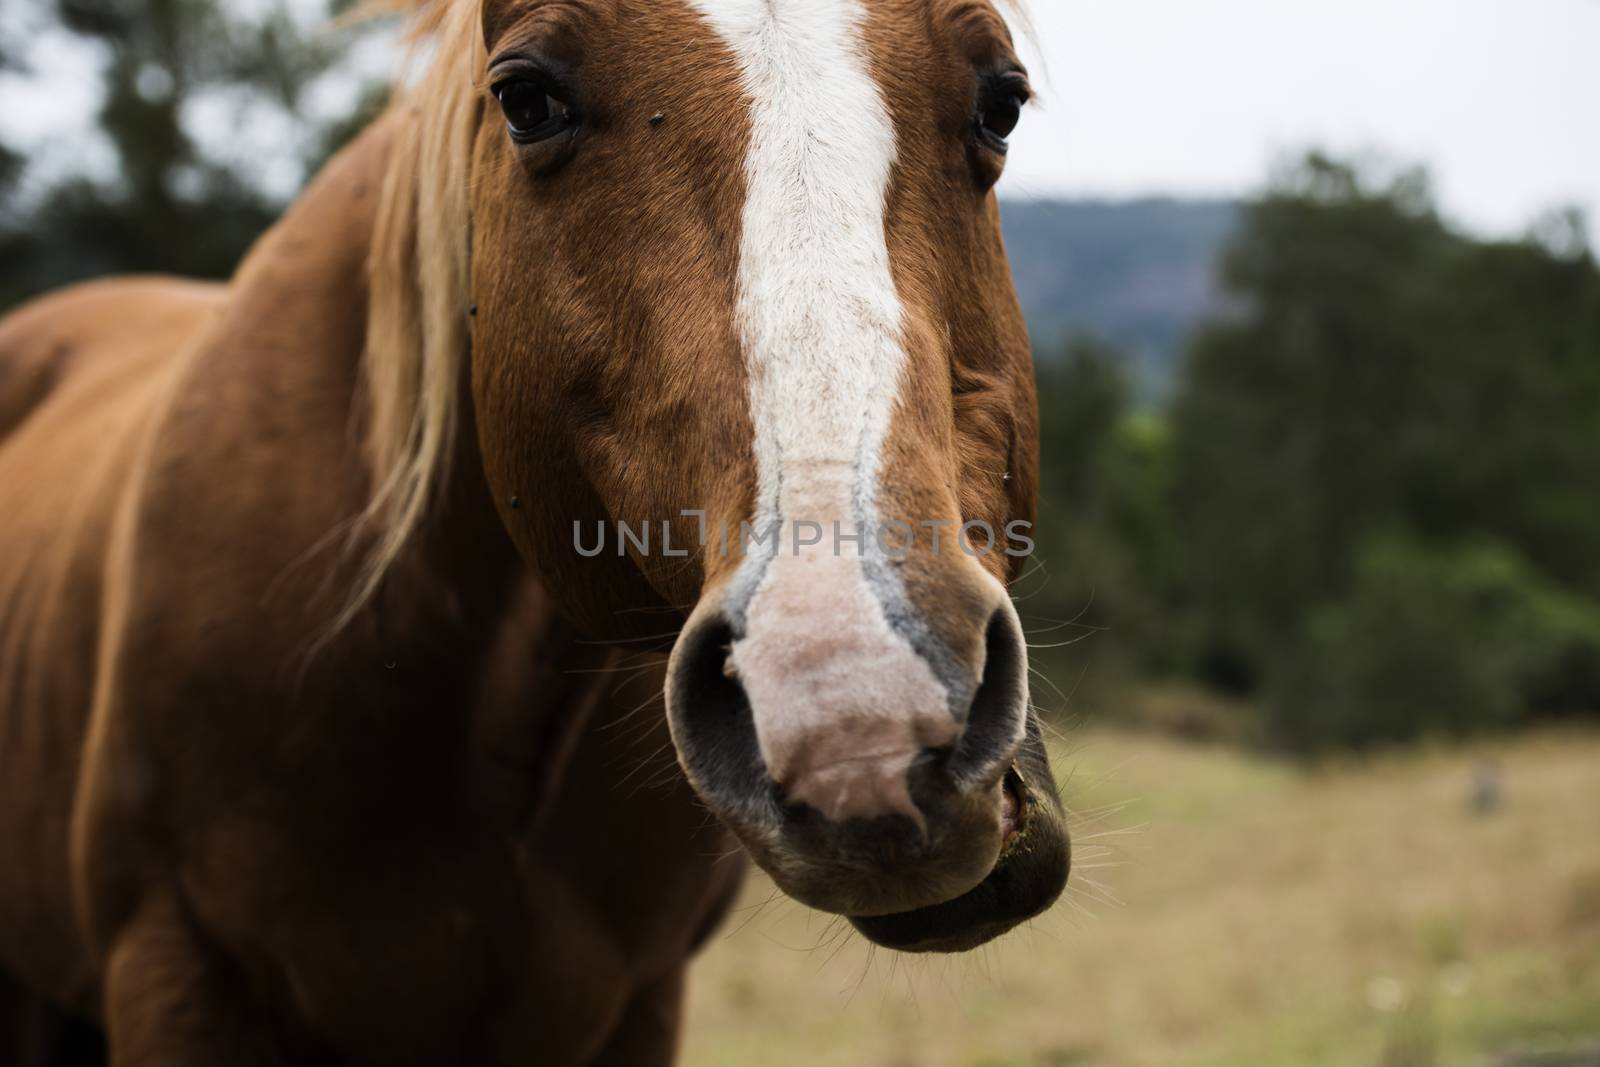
<point>1227,911</point>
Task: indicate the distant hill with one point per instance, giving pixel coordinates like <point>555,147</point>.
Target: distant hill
<point>1137,273</point>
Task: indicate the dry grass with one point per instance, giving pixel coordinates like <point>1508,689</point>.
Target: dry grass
<point>1228,911</point>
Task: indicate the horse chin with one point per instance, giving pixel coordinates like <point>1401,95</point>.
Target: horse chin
<point>1026,880</point>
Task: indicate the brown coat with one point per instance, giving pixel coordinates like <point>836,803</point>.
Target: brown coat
<point>193,796</point>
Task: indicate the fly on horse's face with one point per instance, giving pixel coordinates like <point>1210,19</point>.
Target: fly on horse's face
<point>743,257</point>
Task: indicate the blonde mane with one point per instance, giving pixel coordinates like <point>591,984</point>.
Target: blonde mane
<point>420,288</point>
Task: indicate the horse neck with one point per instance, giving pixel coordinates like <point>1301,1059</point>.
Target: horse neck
<point>304,290</point>
<point>459,622</point>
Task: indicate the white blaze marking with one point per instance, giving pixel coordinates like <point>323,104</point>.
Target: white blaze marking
<point>817,306</point>
<point>820,321</point>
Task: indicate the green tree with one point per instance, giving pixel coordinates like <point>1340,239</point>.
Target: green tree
<point>1435,641</point>
<point>1382,372</point>
<point>14,244</point>
<point>1106,540</point>
<point>176,203</point>
<point>1287,412</point>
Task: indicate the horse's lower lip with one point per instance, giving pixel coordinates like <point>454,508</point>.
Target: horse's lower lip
<point>943,927</point>
<point>1026,879</point>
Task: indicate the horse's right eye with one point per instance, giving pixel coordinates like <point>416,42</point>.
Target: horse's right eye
<point>532,113</point>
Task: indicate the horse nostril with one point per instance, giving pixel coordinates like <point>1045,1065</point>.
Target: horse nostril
<point>710,717</point>
<point>997,714</point>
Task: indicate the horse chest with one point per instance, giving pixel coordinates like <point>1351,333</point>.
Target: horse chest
<point>448,927</point>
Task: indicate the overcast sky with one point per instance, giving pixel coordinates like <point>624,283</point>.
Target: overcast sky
<point>1499,98</point>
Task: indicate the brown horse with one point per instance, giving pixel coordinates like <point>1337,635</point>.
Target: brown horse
<point>315,734</point>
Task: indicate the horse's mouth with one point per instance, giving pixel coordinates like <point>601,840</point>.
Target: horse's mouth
<point>1027,878</point>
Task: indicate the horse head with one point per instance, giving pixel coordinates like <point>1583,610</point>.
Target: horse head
<point>739,283</point>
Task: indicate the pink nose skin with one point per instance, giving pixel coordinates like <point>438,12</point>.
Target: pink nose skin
<point>842,703</point>
<point>857,787</point>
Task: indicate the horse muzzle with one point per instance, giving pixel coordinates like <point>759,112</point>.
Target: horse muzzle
<point>868,782</point>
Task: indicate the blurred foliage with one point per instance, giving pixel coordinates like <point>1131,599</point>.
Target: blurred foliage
<point>1108,548</point>
<point>11,165</point>
<point>1433,641</point>
<point>1374,506</point>
<point>172,204</point>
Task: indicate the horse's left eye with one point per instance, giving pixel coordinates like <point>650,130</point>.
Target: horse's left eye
<point>532,113</point>
<point>1000,101</point>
